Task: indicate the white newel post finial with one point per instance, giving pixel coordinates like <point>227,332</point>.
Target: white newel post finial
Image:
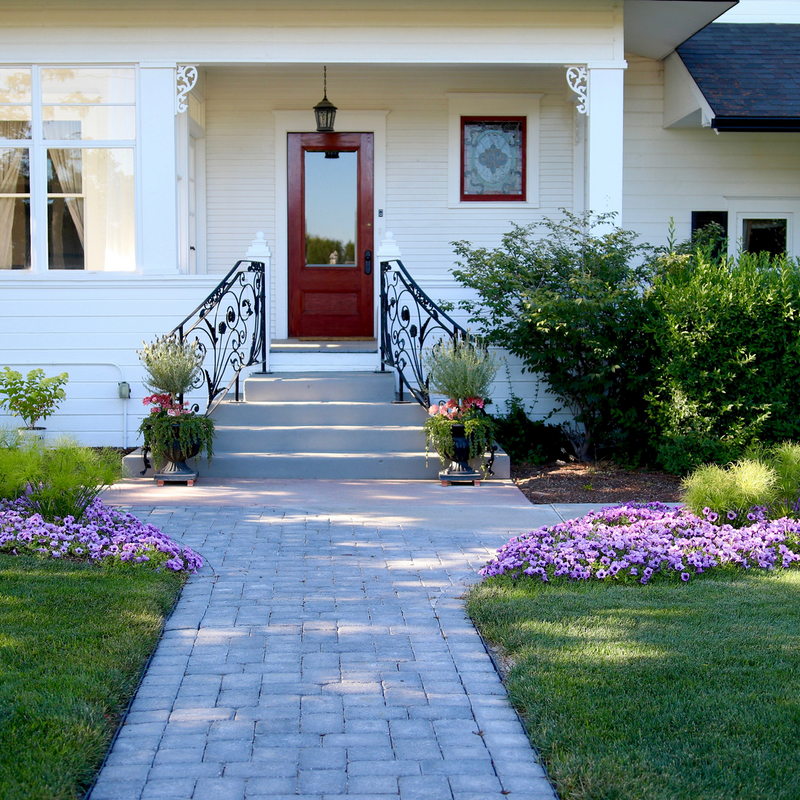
<point>259,251</point>
<point>388,249</point>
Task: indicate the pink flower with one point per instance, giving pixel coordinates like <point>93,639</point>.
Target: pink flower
<point>433,410</point>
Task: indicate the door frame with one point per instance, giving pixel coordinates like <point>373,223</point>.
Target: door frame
<point>286,122</point>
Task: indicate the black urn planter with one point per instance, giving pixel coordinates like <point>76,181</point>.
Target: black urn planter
<point>176,468</point>
<point>459,470</point>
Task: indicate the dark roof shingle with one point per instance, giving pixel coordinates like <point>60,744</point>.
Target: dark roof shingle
<point>748,73</point>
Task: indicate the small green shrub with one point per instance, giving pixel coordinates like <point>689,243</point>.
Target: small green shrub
<point>59,480</point>
<point>33,398</point>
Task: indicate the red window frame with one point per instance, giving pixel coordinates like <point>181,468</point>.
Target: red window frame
<point>480,198</point>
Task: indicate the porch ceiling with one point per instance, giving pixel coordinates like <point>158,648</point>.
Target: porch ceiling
<point>654,28</point>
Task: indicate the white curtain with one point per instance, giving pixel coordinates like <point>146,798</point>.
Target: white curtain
<point>67,164</point>
<point>10,164</point>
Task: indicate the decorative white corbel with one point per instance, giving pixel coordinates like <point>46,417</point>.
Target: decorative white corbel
<point>577,80</point>
<point>185,80</point>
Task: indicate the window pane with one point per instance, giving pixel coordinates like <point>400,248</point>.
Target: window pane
<point>93,231</point>
<point>764,236</point>
<point>331,191</point>
<point>15,122</point>
<point>64,171</point>
<point>89,122</point>
<point>15,173</point>
<point>15,233</point>
<point>65,233</point>
<point>89,85</point>
<point>15,85</point>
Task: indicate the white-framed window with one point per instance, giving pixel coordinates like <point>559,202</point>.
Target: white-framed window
<point>497,109</point>
<point>764,225</point>
<point>67,154</point>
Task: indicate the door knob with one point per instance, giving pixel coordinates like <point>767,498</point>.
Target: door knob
<point>368,262</point>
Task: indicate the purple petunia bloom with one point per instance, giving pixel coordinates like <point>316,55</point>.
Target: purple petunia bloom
<point>620,543</point>
<point>103,533</point>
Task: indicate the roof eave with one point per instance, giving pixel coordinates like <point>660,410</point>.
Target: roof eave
<point>756,124</point>
<point>654,28</point>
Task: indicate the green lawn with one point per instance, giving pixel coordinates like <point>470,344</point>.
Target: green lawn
<point>660,692</point>
<point>73,641</point>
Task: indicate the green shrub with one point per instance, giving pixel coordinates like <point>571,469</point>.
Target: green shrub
<point>32,398</point>
<point>572,305</point>
<point>726,369</point>
<point>58,480</point>
<point>527,440</point>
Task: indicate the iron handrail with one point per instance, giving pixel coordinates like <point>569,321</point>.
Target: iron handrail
<point>410,321</point>
<point>230,327</point>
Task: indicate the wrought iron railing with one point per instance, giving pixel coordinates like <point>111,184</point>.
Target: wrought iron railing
<point>230,329</point>
<point>410,323</point>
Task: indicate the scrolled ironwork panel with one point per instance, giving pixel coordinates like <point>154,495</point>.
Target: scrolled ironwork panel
<point>410,324</point>
<point>228,328</point>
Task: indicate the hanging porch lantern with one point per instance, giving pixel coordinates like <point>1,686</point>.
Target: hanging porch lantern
<point>325,111</point>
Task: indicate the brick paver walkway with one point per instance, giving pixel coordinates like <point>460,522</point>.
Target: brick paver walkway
<point>320,656</point>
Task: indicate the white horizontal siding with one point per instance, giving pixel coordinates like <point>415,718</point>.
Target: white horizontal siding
<point>92,329</point>
<point>670,173</point>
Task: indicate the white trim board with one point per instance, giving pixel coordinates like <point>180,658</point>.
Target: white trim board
<point>302,122</point>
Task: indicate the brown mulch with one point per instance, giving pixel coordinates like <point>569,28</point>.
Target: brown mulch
<point>602,484</point>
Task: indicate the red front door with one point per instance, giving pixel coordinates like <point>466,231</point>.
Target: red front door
<point>331,258</point>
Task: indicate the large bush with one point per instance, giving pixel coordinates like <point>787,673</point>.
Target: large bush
<point>726,369</point>
<point>570,303</point>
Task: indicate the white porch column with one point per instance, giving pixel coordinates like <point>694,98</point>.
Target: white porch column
<point>604,138</point>
<point>157,206</point>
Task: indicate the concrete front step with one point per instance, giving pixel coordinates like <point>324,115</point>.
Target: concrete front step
<point>320,387</point>
<point>320,466</point>
<point>334,413</point>
<point>351,439</point>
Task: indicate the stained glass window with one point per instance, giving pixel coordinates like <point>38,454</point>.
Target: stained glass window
<point>493,158</point>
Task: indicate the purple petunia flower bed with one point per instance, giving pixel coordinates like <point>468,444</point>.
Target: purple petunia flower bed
<point>639,542</point>
<point>103,534</point>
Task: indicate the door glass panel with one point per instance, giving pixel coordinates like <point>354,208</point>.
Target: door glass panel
<point>331,208</point>
<point>764,235</point>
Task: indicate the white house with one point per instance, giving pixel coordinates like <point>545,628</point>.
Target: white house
<point>144,144</point>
